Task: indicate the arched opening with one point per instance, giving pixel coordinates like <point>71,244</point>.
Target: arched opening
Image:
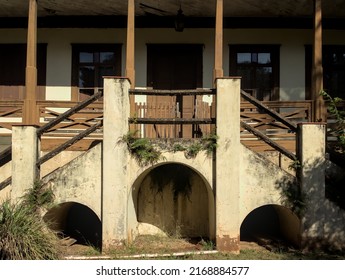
<point>271,225</point>
<point>177,200</point>
<point>76,221</point>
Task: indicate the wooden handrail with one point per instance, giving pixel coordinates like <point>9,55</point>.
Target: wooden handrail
<point>269,141</point>
<point>163,92</point>
<point>69,143</point>
<point>171,121</point>
<point>6,156</point>
<point>267,110</point>
<point>69,113</point>
<point>5,183</point>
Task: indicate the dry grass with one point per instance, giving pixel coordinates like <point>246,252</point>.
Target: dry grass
<point>149,247</point>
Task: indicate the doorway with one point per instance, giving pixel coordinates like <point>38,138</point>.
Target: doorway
<point>173,67</point>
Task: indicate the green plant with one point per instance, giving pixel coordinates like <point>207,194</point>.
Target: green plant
<point>23,233</point>
<point>38,197</point>
<point>177,147</point>
<point>142,149</point>
<point>193,149</point>
<point>295,200</point>
<point>295,165</point>
<point>207,245</point>
<point>209,143</point>
<point>337,129</point>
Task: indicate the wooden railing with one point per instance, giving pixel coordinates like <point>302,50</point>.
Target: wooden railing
<point>166,119</point>
<point>68,120</point>
<point>10,113</point>
<point>81,121</point>
<point>273,122</point>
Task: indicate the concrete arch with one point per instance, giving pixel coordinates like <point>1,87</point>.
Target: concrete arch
<point>77,221</point>
<point>160,211</point>
<point>273,222</point>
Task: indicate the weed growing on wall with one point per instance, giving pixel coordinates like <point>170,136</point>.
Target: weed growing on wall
<point>142,149</point>
<point>147,153</point>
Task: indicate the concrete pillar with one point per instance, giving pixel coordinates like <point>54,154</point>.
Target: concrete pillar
<point>115,162</point>
<point>25,153</point>
<point>228,165</point>
<point>311,147</point>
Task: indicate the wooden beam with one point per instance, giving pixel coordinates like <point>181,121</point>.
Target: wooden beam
<point>163,92</point>
<point>171,121</point>
<point>30,112</point>
<point>218,55</point>
<point>317,71</point>
<point>130,47</point>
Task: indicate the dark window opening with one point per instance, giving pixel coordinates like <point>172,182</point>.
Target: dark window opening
<point>258,65</point>
<point>333,60</point>
<point>91,62</point>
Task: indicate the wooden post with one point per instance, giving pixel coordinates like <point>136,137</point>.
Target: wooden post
<point>317,71</point>
<point>130,53</point>
<point>218,57</point>
<point>130,68</point>
<point>30,113</point>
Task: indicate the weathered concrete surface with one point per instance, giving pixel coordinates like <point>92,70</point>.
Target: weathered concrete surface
<point>228,164</point>
<point>57,161</point>
<point>262,182</point>
<point>323,223</point>
<point>79,181</point>
<point>25,147</point>
<point>202,180</point>
<point>115,162</point>
<point>200,220</point>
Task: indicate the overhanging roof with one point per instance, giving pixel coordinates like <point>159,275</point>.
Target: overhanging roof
<point>192,8</point>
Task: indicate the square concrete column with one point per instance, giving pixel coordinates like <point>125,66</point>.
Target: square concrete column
<point>228,164</point>
<point>25,153</point>
<point>115,162</point>
<point>311,148</point>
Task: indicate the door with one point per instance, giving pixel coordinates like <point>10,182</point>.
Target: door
<point>171,67</point>
<point>12,71</point>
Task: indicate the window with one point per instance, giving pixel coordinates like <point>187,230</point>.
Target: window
<point>91,62</point>
<point>258,65</point>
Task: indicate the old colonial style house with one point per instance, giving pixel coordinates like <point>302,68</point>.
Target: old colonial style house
<point>56,54</point>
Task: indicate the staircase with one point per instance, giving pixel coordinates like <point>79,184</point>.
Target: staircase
<point>264,173</point>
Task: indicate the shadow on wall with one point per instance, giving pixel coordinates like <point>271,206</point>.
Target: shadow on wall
<point>271,224</point>
<point>76,221</point>
<point>322,221</point>
<point>175,199</point>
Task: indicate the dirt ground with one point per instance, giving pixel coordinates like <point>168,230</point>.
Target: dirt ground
<point>152,245</point>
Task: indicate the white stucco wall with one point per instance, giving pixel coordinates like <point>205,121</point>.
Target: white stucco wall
<point>59,52</point>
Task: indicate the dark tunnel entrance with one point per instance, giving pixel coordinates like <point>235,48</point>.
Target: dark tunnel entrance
<point>271,225</point>
<point>76,221</point>
<point>175,198</point>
